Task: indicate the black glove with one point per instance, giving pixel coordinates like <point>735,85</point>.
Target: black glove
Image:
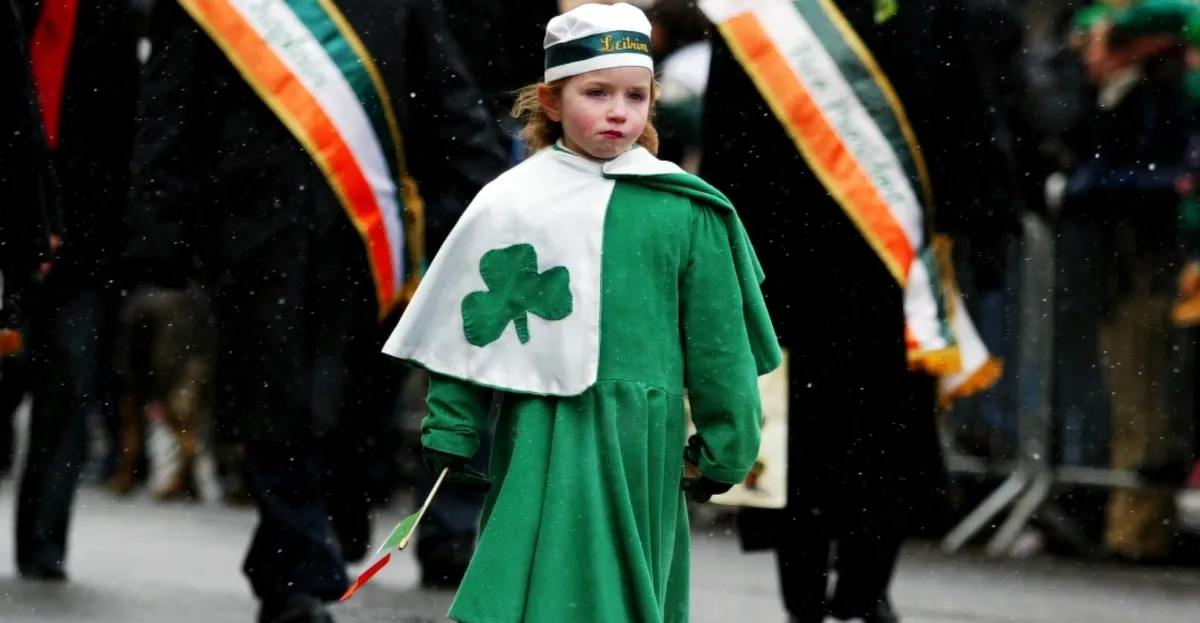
<point>462,477</point>
<point>702,487</point>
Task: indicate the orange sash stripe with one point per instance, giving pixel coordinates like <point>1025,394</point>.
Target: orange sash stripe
<point>297,108</point>
<point>828,156</point>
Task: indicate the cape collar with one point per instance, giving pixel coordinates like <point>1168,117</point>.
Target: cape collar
<point>637,161</point>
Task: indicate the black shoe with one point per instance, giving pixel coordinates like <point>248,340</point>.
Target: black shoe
<point>878,612</point>
<point>294,609</point>
<point>42,573</point>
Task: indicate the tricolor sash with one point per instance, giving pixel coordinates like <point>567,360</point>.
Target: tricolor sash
<point>309,66</point>
<point>841,111</point>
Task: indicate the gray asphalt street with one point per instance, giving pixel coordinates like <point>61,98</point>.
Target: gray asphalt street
<point>135,561</point>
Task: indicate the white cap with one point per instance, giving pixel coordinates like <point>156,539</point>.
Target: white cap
<point>594,36</point>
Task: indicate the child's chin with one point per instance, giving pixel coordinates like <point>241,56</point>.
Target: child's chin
<point>608,149</point>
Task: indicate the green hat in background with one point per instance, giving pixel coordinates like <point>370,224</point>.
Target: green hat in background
<point>1086,18</point>
<point>1180,18</point>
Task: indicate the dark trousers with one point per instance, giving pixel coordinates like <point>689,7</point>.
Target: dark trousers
<point>67,345</point>
<point>294,550</point>
<point>879,485</point>
<point>14,384</point>
<point>302,379</point>
<point>864,564</point>
<point>358,471</point>
<point>314,502</point>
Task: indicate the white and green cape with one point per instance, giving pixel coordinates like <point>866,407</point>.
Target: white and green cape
<point>512,301</point>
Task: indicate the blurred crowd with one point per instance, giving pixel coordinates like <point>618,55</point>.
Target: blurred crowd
<point>1102,113</point>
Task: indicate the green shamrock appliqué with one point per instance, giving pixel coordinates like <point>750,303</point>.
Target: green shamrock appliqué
<point>515,288</point>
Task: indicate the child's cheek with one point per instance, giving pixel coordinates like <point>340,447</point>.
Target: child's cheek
<point>638,123</point>
<point>581,120</point>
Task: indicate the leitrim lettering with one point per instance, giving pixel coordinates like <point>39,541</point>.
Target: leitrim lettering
<point>608,44</point>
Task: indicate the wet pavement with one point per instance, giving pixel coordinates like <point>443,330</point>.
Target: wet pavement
<point>136,561</point>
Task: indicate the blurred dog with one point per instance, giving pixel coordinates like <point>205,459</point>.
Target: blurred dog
<point>165,355</point>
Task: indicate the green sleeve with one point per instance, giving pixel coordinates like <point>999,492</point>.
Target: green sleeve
<point>722,378</point>
<point>457,415</point>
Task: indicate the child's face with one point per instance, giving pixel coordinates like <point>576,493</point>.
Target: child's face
<point>604,112</point>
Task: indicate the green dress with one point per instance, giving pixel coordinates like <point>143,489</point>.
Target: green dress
<point>586,521</point>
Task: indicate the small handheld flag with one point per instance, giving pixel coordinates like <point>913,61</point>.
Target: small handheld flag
<point>396,541</point>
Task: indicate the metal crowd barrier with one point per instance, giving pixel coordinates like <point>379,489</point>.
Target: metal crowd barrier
<point>1033,477</point>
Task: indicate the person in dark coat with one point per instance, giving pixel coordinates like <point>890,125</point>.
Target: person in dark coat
<point>27,180</point>
<point>865,468</point>
<point>27,185</point>
<point>1139,132</point>
<point>83,61</point>
<point>299,372</point>
<point>1060,107</point>
<point>500,40</point>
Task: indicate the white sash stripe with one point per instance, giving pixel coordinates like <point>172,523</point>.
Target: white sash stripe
<point>812,64</point>
<point>921,309</point>
<point>840,106</point>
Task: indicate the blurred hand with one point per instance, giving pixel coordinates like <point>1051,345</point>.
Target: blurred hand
<point>1185,184</point>
<point>1054,191</point>
<point>55,243</point>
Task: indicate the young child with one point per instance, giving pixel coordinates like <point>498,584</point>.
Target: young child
<point>591,285</point>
